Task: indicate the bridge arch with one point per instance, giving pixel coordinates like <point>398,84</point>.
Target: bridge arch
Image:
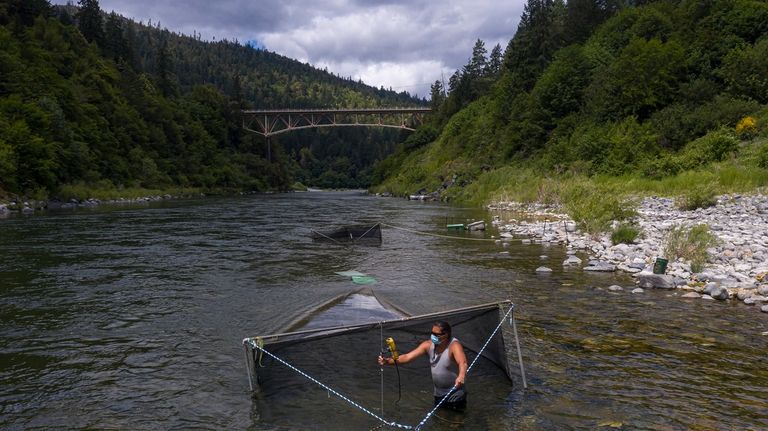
<point>273,122</point>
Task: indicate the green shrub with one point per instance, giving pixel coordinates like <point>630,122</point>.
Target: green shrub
<point>663,166</point>
<point>712,147</point>
<point>701,196</point>
<point>593,208</point>
<point>690,244</point>
<point>298,187</point>
<point>625,233</point>
<point>762,156</point>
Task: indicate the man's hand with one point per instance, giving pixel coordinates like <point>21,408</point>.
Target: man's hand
<point>459,382</point>
<point>381,360</point>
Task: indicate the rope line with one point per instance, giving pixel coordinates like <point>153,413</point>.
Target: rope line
<point>453,388</point>
<point>322,234</point>
<point>366,232</point>
<point>437,234</point>
<point>330,389</point>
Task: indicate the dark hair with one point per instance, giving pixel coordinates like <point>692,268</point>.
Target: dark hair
<point>444,326</point>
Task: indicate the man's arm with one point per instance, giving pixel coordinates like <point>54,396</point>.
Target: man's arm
<point>421,349</point>
<point>457,350</point>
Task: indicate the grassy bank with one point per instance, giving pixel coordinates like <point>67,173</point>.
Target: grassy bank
<point>595,200</point>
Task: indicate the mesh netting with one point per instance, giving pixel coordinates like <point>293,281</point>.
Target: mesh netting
<point>363,234</point>
<point>344,359</point>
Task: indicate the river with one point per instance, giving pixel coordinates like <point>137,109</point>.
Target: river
<point>133,317</point>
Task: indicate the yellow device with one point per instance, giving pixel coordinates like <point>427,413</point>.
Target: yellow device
<point>392,348</point>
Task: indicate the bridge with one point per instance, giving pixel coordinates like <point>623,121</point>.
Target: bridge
<point>272,122</point>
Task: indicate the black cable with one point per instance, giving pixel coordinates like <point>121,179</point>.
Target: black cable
<point>399,393</point>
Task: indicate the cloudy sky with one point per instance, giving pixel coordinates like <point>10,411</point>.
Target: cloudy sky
<point>403,44</point>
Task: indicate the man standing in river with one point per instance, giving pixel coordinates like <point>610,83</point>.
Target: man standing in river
<point>448,363</point>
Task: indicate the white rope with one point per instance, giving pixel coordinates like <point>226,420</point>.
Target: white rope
<point>437,234</point>
<point>331,390</point>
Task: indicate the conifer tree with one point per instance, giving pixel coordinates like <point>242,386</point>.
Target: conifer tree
<point>23,12</point>
<point>89,21</point>
<point>493,67</point>
<point>477,63</point>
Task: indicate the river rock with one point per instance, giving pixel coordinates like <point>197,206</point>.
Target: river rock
<point>764,308</point>
<point>543,270</point>
<point>600,267</point>
<point>709,287</point>
<point>615,288</point>
<point>572,261</point>
<point>752,300</point>
<point>719,292</point>
<point>658,281</point>
<point>637,290</point>
<point>691,295</point>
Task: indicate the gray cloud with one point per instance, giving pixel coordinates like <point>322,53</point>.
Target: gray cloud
<point>403,44</point>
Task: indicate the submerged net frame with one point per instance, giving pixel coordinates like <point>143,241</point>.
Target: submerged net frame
<point>366,234</point>
<point>346,356</point>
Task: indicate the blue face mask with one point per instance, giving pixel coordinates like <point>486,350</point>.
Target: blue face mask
<point>434,339</point>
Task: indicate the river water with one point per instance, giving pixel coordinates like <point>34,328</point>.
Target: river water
<point>133,317</point>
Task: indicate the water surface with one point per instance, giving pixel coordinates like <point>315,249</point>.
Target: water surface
<point>132,318</point>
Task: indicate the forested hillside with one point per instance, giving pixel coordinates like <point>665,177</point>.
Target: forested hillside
<point>90,101</point>
<point>645,92</point>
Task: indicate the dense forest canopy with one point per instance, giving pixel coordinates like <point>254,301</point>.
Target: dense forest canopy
<point>100,100</point>
<point>650,89</point>
<point>600,87</point>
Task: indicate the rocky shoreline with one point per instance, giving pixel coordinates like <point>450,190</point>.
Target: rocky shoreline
<point>737,268</point>
<point>30,206</point>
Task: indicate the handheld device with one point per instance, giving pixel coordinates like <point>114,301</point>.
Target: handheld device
<point>392,348</point>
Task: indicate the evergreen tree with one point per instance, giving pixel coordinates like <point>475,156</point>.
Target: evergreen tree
<point>583,17</point>
<point>493,67</point>
<point>164,72</point>
<point>477,64</point>
<point>23,12</point>
<point>89,21</point>
<point>437,94</point>
<point>115,44</point>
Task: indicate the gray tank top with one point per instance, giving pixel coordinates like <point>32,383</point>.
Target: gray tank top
<point>444,371</point>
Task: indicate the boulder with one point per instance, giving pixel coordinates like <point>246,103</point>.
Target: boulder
<point>572,261</point>
<point>658,281</point>
<point>709,287</point>
<point>719,292</point>
<point>600,267</point>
